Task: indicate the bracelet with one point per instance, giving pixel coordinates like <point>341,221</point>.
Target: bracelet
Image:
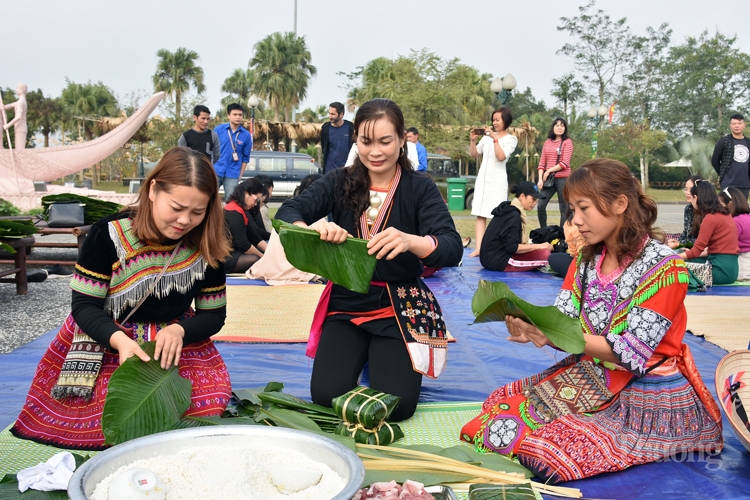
<point>494,140</point>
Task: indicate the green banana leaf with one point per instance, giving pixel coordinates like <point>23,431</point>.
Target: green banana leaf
<point>143,399</point>
<point>7,248</point>
<point>94,209</point>
<point>347,264</point>
<point>494,300</point>
<point>426,478</point>
<point>17,228</point>
<point>294,403</point>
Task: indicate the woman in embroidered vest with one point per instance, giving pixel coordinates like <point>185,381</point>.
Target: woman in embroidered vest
<point>505,246</point>
<point>635,395</point>
<point>397,326</point>
<point>716,237</point>
<point>247,245</point>
<point>176,230</point>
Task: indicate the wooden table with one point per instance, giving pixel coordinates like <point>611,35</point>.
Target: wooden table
<point>19,261</point>
<point>43,229</point>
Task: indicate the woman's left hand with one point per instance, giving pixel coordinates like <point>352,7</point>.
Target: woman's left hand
<point>389,242</point>
<point>523,332</point>
<point>169,345</point>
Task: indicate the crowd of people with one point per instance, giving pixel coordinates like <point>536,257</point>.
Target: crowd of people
<point>140,272</point>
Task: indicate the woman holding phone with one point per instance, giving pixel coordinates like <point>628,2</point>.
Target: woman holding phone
<point>554,163</point>
<point>491,187</point>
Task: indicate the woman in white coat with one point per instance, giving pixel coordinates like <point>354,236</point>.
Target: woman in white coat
<point>491,187</point>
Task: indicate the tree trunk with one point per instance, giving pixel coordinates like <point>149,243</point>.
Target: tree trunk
<point>178,108</point>
<point>275,109</point>
<point>565,109</point>
<point>643,157</point>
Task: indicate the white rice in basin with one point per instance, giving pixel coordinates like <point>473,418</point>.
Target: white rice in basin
<point>221,472</point>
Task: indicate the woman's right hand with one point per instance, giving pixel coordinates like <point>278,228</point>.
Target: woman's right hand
<point>330,231</point>
<point>545,246</point>
<point>673,244</point>
<point>127,347</point>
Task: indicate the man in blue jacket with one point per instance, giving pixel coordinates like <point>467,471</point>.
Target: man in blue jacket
<point>236,143</point>
<point>412,135</point>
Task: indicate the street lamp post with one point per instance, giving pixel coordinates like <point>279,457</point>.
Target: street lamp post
<point>253,102</point>
<point>596,115</point>
<point>503,88</point>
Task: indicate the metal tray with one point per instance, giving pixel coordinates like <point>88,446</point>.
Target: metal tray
<point>441,492</point>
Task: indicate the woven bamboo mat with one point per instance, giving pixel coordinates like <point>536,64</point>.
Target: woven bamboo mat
<point>723,321</point>
<point>433,423</point>
<point>273,314</point>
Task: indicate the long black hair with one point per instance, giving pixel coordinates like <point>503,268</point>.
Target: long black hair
<point>356,184</point>
<point>708,203</point>
<point>552,135</point>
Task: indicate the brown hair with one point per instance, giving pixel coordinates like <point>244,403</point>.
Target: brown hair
<point>603,181</point>
<point>356,185</point>
<point>735,201</point>
<point>182,166</point>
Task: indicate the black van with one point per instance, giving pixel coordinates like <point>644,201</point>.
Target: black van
<point>286,169</point>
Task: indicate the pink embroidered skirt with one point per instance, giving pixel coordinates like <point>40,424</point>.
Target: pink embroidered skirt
<point>77,424</point>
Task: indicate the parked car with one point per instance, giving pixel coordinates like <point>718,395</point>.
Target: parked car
<point>440,168</point>
<point>286,169</point>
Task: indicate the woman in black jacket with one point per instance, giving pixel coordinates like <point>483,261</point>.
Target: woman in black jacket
<point>503,247</point>
<point>248,244</point>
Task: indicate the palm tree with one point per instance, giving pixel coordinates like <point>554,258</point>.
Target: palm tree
<point>283,70</point>
<point>698,150</point>
<point>314,115</point>
<point>239,86</point>
<point>567,90</point>
<point>526,135</point>
<point>87,103</point>
<point>45,114</point>
<point>175,72</point>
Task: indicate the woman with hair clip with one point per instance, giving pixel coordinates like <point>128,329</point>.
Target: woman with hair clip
<point>136,277</point>
<point>397,326</point>
<point>247,245</point>
<point>736,203</point>
<point>715,232</point>
<point>686,236</point>
<point>634,396</point>
<point>554,162</point>
<point>491,188</point>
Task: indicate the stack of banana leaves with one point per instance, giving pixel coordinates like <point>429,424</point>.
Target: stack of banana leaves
<point>93,210</point>
<point>11,229</point>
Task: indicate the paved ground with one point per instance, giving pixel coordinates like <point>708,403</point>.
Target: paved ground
<point>26,317</point>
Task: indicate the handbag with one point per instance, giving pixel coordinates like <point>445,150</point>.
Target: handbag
<point>550,182</point>
<point>702,272</point>
<point>65,214</point>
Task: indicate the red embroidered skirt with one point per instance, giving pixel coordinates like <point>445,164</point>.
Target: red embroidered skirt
<point>77,424</point>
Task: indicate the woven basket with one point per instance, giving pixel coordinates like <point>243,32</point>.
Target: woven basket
<point>732,369</point>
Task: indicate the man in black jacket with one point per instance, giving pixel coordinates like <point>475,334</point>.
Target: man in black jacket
<point>731,158</point>
<point>336,138</point>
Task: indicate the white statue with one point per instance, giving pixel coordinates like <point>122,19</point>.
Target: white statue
<point>19,119</point>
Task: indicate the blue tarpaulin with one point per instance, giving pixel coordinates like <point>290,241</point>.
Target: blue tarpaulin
<point>478,362</point>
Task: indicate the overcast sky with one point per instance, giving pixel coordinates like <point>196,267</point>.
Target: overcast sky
<point>114,41</point>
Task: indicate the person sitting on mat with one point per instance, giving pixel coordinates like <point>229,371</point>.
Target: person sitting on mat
<point>686,237</point>
<point>137,275</point>
<point>503,247</point>
<point>560,262</point>
<point>716,232</point>
<point>736,203</point>
<point>397,326</point>
<point>634,396</point>
<point>247,245</point>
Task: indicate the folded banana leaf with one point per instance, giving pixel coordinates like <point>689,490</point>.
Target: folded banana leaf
<point>365,406</point>
<point>347,264</point>
<point>493,300</point>
<point>501,491</point>
<point>384,435</point>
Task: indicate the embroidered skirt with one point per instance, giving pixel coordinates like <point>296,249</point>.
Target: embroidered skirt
<point>77,423</point>
<point>652,418</point>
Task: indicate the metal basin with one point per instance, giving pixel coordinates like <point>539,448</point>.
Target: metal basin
<point>338,457</point>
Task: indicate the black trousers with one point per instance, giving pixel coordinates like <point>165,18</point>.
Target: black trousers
<point>344,349</point>
<point>560,262</point>
<point>548,193</point>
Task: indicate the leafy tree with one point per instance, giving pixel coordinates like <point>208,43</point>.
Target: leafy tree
<point>706,79</point>
<point>567,90</point>
<point>602,47</point>
<point>175,73</point>
<point>641,94</point>
<point>283,71</point>
<point>239,86</point>
<point>632,142</point>
<point>45,114</point>
<point>314,115</point>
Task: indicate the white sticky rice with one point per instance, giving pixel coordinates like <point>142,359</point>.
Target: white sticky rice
<point>221,472</point>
